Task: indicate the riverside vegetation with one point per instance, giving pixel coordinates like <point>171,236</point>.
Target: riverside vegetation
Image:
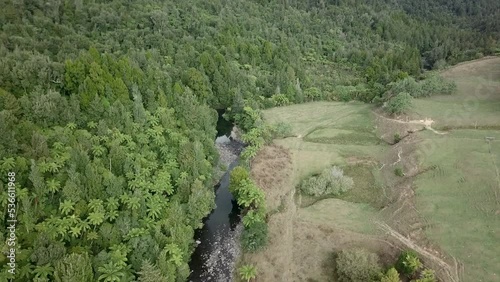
<point>107,111</point>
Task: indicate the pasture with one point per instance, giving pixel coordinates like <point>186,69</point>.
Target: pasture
<point>446,206</point>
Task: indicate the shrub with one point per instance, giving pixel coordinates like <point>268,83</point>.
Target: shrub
<point>331,181</point>
<point>249,118</point>
<point>337,183</point>
<point>253,217</point>
<point>238,174</point>
<point>357,265</point>
<point>282,130</point>
<point>250,195</point>
<point>281,100</point>
<point>427,275</point>
<point>399,172</point>
<point>397,138</point>
<point>314,186</point>
<point>399,103</point>
<point>313,94</point>
<point>391,275</point>
<point>408,263</point>
<point>408,85</point>
<point>439,64</point>
<point>247,272</point>
<point>436,85</point>
<point>254,236</point>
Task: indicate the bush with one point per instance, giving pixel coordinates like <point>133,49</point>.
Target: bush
<point>399,103</point>
<point>238,174</point>
<point>253,216</point>
<point>437,85</point>
<point>313,94</point>
<point>408,263</point>
<point>247,272</point>
<point>391,275</point>
<point>250,195</point>
<point>397,138</point>
<point>314,186</point>
<point>427,275</point>
<point>254,236</point>
<point>357,265</point>
<point>281,100</point>
<point>439,64</point>
<point>282,130</point>
<point>249,118</point>
<point>331,181</point>
<point>408,85</point>
<point>399,172</point>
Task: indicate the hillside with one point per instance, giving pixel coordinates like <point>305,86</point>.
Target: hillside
<point>445,205</point>
<point>107,109</point>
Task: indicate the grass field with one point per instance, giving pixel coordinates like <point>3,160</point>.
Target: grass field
<point>447,206</point>
<point>476,103</point>
<point>307,231</point>
<point>461,198</point>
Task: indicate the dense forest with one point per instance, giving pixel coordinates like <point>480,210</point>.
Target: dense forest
<point>107,109</point>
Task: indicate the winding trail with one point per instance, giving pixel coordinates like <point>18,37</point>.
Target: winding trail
<point>453,273</point>
<point>427,122</point>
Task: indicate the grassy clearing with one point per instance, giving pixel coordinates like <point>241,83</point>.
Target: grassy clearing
<point>460,199</point>
<point>455,205</point>
<point>304,236</point>
<point>342,214</point>
<point>476,102</point>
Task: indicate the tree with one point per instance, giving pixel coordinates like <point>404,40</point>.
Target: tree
<point>254,236</point>
<point>238,174</point>
<point>252,217</point>
<point>391,275</point>
<point>43,271</point>
<point>150,273</point>
<point>248,272</point>
<point>74,267</point>
<point>66,207</point>
<point>427,275</point>
<point>111,272</point>
<point>250,195</point>
<point>399,103</point>
<point>408,263</point>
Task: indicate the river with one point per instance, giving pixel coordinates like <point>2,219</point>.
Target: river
<point>218,240</point>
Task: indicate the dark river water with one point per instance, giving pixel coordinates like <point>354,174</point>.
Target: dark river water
<point>217,250</point>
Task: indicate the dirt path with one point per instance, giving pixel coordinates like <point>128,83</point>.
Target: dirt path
<point>493,159</point>
<point>427,122</point>
<point>453,273</point>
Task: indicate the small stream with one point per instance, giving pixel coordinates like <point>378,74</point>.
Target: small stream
<point>218,246</point>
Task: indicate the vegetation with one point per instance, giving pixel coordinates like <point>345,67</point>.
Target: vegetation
<point>361,265</point>
<point>399,103</point>
<point>108,120</point>
<point>391,275</point>
<point>247,272</point>
<point>252,199</point>
<point>397,138</point>
<point>331,181</point>
<point>399,172</point>
<point>409,263</point>
<point>453,176</point>
<point>357,265</point>
<point>282,130</point>
<point>427,275</point>
<point>254,236</point>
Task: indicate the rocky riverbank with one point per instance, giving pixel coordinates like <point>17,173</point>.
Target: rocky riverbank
<point>229,149</point>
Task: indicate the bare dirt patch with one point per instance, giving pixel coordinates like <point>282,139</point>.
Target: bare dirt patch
<point>270,169</point>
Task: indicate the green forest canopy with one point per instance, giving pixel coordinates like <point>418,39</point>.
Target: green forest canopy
<point>107,108</point>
